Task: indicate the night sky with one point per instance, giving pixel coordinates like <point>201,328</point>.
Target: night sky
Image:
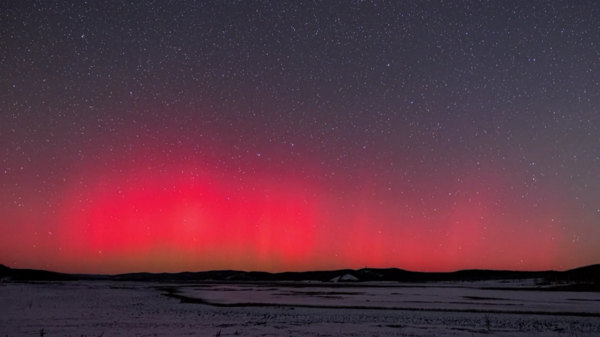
<point>299,135</point>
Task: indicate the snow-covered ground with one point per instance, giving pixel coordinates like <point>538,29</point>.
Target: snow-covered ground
<point>140,309</point>
<point>409,297</point>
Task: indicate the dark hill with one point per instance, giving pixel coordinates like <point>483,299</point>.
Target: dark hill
<point>39,275</point>
<point>4,271</point>
<point>18,275</point>
<point>588,276</point>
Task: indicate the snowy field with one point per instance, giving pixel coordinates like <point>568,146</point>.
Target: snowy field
<point>142,309</point>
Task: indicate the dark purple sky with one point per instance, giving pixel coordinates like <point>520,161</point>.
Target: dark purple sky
<point>293,135</point>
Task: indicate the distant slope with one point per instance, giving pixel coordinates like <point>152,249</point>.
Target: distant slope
<point>4,271</point>
<point>589,274</point>
<point>39,275</point>
<point>583,275</point>
<point>44,275</point>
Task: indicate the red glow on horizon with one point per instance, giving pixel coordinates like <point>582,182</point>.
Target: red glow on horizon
<point>194,216</point>
<point>139,220</point>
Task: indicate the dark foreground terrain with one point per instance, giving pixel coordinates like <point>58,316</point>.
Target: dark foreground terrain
<point>579,279</point>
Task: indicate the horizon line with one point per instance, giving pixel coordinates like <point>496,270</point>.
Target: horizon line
<point>304,271</point>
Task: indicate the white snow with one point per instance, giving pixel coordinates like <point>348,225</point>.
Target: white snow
<point>346,278</point>
<point>139,309</point>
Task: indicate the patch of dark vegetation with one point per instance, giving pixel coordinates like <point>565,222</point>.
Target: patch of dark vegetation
<point>256,323</point>
<point>488,303</point>
<point>581,287</point>
<point>578,287</point>
<point>172,291</point>
<point>319,293</point>
<point>478,298</point>
<point>122,287</point>
<point>226,289</point>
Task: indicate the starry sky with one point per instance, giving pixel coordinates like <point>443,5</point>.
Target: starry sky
<point>299,135</point>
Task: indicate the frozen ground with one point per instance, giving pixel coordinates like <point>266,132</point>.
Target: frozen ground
<point>140,309</point>
<point>408,297</point>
